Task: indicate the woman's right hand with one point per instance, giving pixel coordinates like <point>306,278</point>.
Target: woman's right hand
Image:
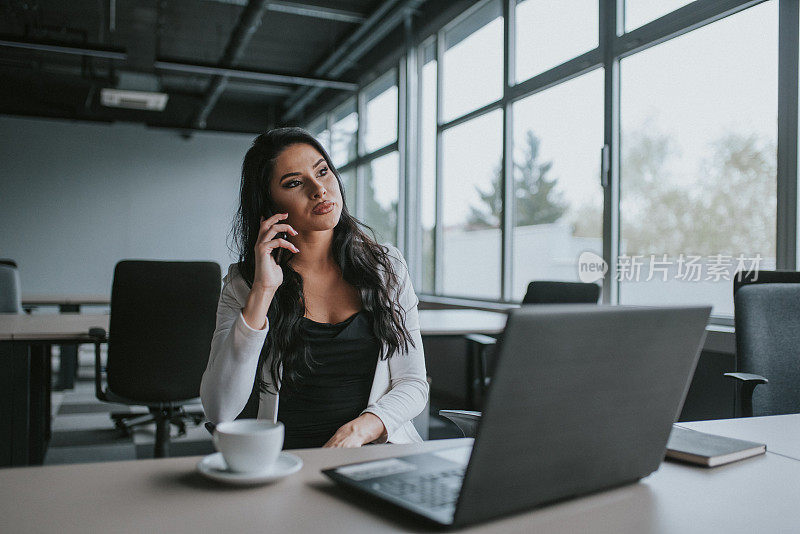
<point>268,274</point>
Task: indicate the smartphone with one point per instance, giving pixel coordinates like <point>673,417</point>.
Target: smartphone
<point>280,254</point>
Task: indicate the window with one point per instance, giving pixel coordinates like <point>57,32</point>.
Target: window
<point>558,212</point>
<point>380,118</point>
<point>472,67</point>
<point>344,124</point>
<point>472,238</point>
<point>549,33</point>
<point>348,178</point>
<point>428,167</point>
<point>640,12</point>
<point>381,190</point>
<point>319,129</point>
<point>698,161</point>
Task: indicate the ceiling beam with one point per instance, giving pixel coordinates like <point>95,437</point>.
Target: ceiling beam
<point>306,10</point>
<point>249,21</point>
<point>254,75</point>
<point>85,51</point>
<point>175,66</point>
<point>377,26</point>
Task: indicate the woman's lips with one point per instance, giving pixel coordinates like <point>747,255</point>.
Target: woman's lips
<point>323,207</point>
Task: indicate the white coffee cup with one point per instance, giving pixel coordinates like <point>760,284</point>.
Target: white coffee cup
<point>249,444</point>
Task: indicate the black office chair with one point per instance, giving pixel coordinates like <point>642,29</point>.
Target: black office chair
<point>163,315</point>
<point>10,300</point>
<point>767,318</point>
<point>538,292</point>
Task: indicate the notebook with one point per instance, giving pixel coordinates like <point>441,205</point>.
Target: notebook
<point>708,449</point>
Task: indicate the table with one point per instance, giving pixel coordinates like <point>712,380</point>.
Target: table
<point>781,433</point>
<point>755,495</point>
<point>460,322</point>
<point>447,324</point>
<point>68,357</point>
<point>65,300</point>
<point>25,343</point>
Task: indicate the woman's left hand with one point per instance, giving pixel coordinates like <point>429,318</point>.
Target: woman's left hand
<point>363,429</point>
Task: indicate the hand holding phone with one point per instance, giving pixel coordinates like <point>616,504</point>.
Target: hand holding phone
<point>280,254</point>
<point>272,248</point>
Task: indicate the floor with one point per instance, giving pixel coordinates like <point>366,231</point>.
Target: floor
<point>83,431</point>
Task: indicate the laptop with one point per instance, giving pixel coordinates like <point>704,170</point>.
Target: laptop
<point>582,399</point>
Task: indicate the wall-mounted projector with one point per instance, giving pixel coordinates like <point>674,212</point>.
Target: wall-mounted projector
<point>143,100</point>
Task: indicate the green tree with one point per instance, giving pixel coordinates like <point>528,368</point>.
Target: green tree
<point>729,208</point>
<point>537,200</point>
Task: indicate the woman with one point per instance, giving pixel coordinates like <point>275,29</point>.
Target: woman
<point>316,313</point>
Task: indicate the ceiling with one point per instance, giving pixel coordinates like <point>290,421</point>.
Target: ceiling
<point>57,56</point>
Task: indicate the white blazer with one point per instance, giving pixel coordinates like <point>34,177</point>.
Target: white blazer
<point>399,390</point>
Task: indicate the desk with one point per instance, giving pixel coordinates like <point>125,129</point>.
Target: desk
<point>443,332</point>
<point>461,322</point>
<point>25,342</point>
<point>66,300</point>
<point>781,433</point>
<point>68,357</point>
<point>755,495</point>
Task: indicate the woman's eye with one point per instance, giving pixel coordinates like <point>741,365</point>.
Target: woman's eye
<point>323,171</point>
<point>290,182</point>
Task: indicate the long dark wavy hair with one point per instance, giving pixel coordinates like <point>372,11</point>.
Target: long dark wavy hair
<point>361,259</point>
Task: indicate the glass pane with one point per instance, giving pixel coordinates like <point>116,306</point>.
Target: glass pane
<point>349,183</point>
<point>319,129</point>
<point>640,12</point>
<point>343,133</point>
<point>549,33</point>
<point>428,173</point>
<point>473,62</point>
<point>558,214</point>
<point>381,189</point>
<point>380,124</point>
<point>698,173</point>
<point>471,207</point>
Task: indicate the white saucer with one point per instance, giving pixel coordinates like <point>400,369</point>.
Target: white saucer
<point>214,467</point>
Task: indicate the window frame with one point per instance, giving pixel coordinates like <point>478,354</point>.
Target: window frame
<point>614,44</point>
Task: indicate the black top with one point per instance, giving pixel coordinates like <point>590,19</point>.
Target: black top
<point>337,389</point>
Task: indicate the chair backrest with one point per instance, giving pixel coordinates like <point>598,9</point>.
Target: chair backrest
<point>767,317</point>
<point>163,315</point>
<point>10,299</point>
<point>543,292</point>
<point>744,278</point>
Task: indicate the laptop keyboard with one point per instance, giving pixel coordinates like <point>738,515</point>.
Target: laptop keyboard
<point>432,490</point>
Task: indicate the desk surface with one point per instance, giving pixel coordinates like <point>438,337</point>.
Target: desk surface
<point>755,495</point>
<point>460,322</point>
<point>781,433</point>
<point>60,326</point>
<point>58,300</point>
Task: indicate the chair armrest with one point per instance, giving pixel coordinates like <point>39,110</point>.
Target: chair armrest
<point>466,421</point>
<point>99,337</point>
<point>748,377</point>
<point>480,339</point>
<point>98,334</point>
<point>745,384</point>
